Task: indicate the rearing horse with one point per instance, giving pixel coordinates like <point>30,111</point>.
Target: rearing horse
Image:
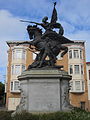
<point>42,45</point>
<point>49,44</point>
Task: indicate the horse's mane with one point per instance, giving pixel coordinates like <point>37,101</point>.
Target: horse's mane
<point>35,27</point>
<point>40,30</point>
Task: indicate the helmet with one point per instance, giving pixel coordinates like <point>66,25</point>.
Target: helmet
<point>45,19</point>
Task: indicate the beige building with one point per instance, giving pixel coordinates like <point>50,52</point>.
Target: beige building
<point>88,82</point>
<point>74,62</point>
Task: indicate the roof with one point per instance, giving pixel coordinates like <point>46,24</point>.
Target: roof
<point>87,62</point>
<point>79,41</point>
<point>15,42</point>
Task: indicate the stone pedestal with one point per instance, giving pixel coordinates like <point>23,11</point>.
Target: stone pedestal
<point>44,90</point>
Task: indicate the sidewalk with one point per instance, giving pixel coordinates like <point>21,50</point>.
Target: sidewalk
<point>3,108</point>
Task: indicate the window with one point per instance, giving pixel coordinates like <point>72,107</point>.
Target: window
<point>83,85</point>
<point>71,69</point>
<point>77,85</point>
<point>13,54</point>
<point>23,54</point>
<point>11,86</point>
<point>15,86</point>
<point>71,85</point>
<point>76,54</point>
<point>82,105</point>
<point>12,69</point>
<point>17,70</point>
<point>70,53</point>
<point>23,68</point>
<point>80,54</point>
<point>81,69</point>
<point>18,54</point>
<point>76,69</point>
<point>89,74</point>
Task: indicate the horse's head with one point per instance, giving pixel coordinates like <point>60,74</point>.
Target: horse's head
<point>32,30</point>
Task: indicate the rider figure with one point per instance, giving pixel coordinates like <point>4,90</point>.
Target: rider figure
<point>50,26</point>
<point>44,24</point>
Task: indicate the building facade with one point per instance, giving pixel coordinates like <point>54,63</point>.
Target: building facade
<point>74,62</point>
<point>88,82</point>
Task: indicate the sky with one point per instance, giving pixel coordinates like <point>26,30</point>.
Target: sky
<point>74,15</point>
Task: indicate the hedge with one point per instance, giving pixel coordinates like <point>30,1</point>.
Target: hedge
<point>76,114</point>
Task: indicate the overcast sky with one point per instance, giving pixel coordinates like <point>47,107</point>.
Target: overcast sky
<point>74,15</point>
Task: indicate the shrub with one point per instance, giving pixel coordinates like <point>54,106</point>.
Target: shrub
<point>76,114</point>
<point>73,115</point>
<point>25,116</point>
<point>4,115</point>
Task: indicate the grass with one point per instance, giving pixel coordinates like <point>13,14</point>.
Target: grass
<point>76,114</point>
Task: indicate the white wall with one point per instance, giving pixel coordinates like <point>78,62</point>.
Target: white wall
<point>12,103</point>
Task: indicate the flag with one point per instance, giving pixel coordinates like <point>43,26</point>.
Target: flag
<point>54,14</point>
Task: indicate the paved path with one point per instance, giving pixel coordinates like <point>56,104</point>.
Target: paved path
<point>2,109</point>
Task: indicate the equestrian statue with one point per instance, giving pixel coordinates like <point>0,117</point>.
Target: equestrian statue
<point>48,44</point>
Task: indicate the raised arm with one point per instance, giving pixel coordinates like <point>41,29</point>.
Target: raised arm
<point>36,23</point>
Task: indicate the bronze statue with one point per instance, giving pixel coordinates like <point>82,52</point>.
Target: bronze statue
<point>50,43</point>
